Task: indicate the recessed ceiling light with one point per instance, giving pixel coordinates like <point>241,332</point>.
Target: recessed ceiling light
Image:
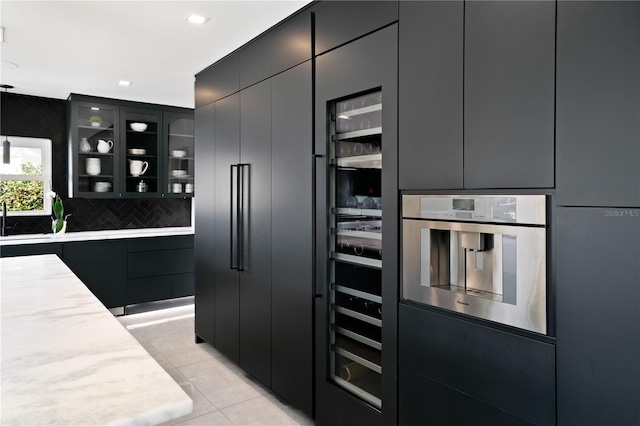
<point>196,19</point>
<point>124,83</point>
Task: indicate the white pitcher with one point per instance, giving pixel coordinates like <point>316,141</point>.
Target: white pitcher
<point>104,146</point>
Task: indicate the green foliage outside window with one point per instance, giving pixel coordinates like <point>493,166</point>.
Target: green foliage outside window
<point>24,195</point>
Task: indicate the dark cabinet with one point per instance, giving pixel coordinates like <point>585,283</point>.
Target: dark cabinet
<point>476,94</point>
<point>282,47</point>
<point>140,136</point>
<point>339,22</point>
<point>509,67</point>
<point>102,267</point>
<point>226,298</point>
<point>126,149</point>
<point>598,316</point>
<point>598,112</point>
<point>159,268</point>
<point>355,85</point>
<point>178,156</point>
<point>217,81</point>
<point>491,371</point>
<point>31,249</point>
<point>431,94</point>
<point>260,311</point>
<point>205,214</point>
<point>254,262</point>
<point>291,242</point>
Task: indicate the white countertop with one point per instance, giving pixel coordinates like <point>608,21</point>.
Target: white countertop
<point>94,235</point>
<point>66,360</point>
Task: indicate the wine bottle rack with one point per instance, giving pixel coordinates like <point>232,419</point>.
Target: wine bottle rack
<point>355,249</point>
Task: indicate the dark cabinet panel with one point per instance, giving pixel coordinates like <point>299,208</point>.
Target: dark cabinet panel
<point>160,243</point>
<point>426,402</point>
<point>31,249</point>
<point>598,316</point>
<point>431,94</point>
<point>204,239</point>
<point>142,290</point>
<point>217,81</point>
<point>158,263</point>
<point>598,107</point>
<point>227,281</point>
<point>182,285</point>
<point>512,373</point>
<point>281,48</point>
<point>339,22</point>
<point>292,249</point>
<point>509,94</point>
<point>255,279</point>
<point>102,267</point>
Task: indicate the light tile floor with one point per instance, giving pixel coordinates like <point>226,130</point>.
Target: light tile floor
<point>222,393</point>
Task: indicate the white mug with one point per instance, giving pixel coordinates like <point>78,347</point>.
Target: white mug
<point>137,167</point>
<point>104,146</point>
<point>93,166</point>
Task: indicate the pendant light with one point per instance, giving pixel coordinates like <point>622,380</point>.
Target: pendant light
<point>6,145</point>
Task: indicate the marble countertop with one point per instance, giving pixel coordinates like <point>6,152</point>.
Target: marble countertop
<point>94,235</point>
<point>66,360</point>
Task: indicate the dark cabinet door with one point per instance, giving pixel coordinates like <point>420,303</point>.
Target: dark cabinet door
<point>227,283</point>
<point>495,371</point>
<point>282,47</point>
<point>219,80</point>
<point>339,22</point>
<point>598,316</point>
<point>292,226</point>
<point>255,188</point>
<point>430,94</point>
<point>598,111</point>
<point>204,239</point>
<point>108,280</point>
<point>509,94</point>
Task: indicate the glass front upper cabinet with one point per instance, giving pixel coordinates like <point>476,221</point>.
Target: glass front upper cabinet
<point>94,144</point>
<point>179,168</point>
<point>142,164</point>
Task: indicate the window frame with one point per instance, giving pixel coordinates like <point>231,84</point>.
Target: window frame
<point>46,147</point>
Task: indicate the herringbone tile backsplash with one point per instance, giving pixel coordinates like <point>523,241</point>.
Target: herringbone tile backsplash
<point>22,115</point>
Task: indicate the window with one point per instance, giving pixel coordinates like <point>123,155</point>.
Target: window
<point>25,182</point>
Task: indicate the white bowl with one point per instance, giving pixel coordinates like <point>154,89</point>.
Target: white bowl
<point>178,153</point>
<point>137,151</point>
<point>179,172</point>
<point>138,127</point>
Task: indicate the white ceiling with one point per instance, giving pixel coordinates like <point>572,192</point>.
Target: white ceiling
<point>86,47</point>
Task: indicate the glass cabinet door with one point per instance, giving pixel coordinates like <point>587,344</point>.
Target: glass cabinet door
<point>142,160</point>
<point>95,167</point>
<point>355,350</point>
<point>180,159</point>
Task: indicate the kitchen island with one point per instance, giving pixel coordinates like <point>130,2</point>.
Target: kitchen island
<point>66,360</point>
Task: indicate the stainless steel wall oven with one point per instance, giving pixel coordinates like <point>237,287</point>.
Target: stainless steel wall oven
<point>480,255</point>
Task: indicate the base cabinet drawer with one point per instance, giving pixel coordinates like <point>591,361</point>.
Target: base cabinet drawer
<point>512,373</point>
<point>149,289</point>
<point>425,402</point>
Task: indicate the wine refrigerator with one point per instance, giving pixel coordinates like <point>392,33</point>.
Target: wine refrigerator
<point>355,245</point>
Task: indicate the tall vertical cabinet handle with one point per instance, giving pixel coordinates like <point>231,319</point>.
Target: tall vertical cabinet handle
<point>244,180</point>
<point>232,265</point>
<point>240,217</point>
